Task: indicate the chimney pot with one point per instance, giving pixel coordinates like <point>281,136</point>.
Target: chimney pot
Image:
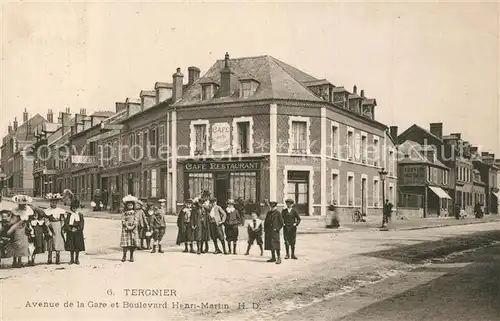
<point>355,89</point>
<point>177,85</point>
<point>226,60</point>
<point>68,110</point>
<point>362,93</point>
<point>225,79</point>
<point>25,115</point>
<point>193,74</point>
<point>15,123</point>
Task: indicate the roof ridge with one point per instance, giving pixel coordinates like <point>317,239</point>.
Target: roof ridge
<point>279,62</point>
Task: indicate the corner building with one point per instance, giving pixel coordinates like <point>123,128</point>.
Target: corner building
<point>256,129</point>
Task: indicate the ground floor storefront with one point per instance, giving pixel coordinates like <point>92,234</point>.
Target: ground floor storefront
<point>432,200</point>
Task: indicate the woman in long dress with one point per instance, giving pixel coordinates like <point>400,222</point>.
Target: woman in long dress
<point>129,240</point>
<point>74,225</point>
<point>54,221</point>
<point>18,231</point>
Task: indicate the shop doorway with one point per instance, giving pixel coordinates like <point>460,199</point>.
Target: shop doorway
<point>298,190</point>
<point>221,189</point>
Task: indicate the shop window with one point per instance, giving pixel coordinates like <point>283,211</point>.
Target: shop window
<point>243,186</point>
<point>200,182</point>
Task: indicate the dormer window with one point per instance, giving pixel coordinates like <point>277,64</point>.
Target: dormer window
<point>207,91</point>
<point>247,88</point>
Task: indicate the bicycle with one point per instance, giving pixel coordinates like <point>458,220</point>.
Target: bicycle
<point>357,217</point>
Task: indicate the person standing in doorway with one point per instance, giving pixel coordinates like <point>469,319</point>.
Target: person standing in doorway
<point>217,219</point>
<point>273,224</point>
<point>185,229</point>
<point>291,220</point>
<point>74,225</point>
<point>55,221</point>
<point>233,220</point>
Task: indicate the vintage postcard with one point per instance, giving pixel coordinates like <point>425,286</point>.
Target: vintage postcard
<point>206,160</point>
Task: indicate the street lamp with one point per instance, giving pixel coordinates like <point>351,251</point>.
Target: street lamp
<point>382,174</point>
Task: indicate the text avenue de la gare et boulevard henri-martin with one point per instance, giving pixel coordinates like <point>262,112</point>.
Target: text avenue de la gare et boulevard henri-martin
<point>126,304</point>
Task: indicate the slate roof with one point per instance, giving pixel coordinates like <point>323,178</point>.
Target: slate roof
<point>415,153</point>
<point>277,80</point>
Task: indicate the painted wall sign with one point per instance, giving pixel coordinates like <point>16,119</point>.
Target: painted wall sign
<point>222,166</point>
<point>414,175</point>
<point>221,137</point>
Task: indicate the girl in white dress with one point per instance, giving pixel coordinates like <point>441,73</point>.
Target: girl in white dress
<point>55,222</point>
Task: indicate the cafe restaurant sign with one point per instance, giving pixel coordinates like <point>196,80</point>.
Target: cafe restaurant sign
<point>221,137</point>
<point>222,166</point>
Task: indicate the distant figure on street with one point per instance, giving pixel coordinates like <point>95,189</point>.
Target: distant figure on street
<point>478,210</point>
<point>387,212</point>
<point>254,228</point>
<point>272,227</point>
<point>291,220</point>
<point>105,199</point>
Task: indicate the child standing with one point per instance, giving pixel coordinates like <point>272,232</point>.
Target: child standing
<point>254,228</point>
<point>157,223</point>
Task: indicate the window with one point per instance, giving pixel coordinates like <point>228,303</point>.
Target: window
<point>335,140</point>
<point>243,137</point>
<point>375,151</point>
<point>246,89</point>
<point>243,185</point>
<point>206,92</point>
<point>123,148</point>
<point>350,189</point>
<point>335,188</point>
<point>161,135</point>
<point>376,192</point>
<point>391,163</point>
<point>137,146</point>
<point>145,144</point>
<point>145,184</point>
<point>363,148</point>
<point>200,182</point>
<point>299,137</point>
<point>200,139</point>
<point>350,144</point>
<point>154,187</point>
<point>445,177</point>
<point>153,141</point>
<point>116,155</point>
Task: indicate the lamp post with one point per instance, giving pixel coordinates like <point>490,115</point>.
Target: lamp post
<point>383,173</point>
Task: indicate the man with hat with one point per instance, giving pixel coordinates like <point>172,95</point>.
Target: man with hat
<point>55,219</point>
<point>201,224</point>
<point>291,220</point>
<point>233,220</point>
<point>185,227</point>
<point>217,219</point>
<point>272,227</point>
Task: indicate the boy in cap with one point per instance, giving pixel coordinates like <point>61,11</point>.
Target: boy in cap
<point>291,220</point>
<point>272,227</point>
<point>254,228</point>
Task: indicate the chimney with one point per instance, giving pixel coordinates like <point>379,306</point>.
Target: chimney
<point>457,135</point>
<point>25,115</point>
<point>83,111</point>
<point>133,106</point>
<point>362,93</point>
<point>120,107</point>
<point>225,79</point>
<point>148,99</point>
<point>354,89</point>
<point>15,123</point>
<point>50,116</point>
<point>10,128</point>
<point>193,74</point>
<point>177,85</point>
<point>68,110</point>
<point>393,131</point>
<point>64,120</point>
<point>163,91</point>
<point>437,129</point>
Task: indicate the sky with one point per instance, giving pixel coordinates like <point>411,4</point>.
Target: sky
<point>423,62</point>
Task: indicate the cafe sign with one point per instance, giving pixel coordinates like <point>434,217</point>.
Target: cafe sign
<point>221,137</point>
<point>222,166</point>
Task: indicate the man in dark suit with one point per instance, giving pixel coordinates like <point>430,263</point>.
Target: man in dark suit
<point>291,220</point>
<point>272,227</point>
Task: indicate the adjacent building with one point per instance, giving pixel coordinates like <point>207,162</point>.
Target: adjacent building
<point>16,155</point>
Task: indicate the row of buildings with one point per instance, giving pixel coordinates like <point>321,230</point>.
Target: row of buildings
<point>252,129</point>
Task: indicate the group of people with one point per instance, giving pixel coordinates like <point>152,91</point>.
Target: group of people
<point>202,220</point>
<point>28,230</point>
<point>141,222</point>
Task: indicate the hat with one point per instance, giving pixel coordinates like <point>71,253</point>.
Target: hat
<point>273,203</point>
<point>130,199</point>
<point>162,200</point>
<point>230,201</point>
<point>22,199</point>
<point>75,203</point>
<point>196,200</point>
<point>53,197</point>
<point>289,200</point>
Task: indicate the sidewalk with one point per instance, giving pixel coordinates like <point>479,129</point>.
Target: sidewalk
<point>315,225</point>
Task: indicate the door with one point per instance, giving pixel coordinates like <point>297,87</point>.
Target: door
<point>363,196</point>
<point>221,189</point>
<point>298,190</point>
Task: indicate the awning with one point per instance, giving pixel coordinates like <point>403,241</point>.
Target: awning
<point>440,192</point>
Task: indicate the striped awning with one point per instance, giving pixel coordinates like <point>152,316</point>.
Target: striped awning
<point>440,192</point>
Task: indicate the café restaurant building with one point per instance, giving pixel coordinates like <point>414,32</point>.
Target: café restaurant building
<point>256,129</point>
